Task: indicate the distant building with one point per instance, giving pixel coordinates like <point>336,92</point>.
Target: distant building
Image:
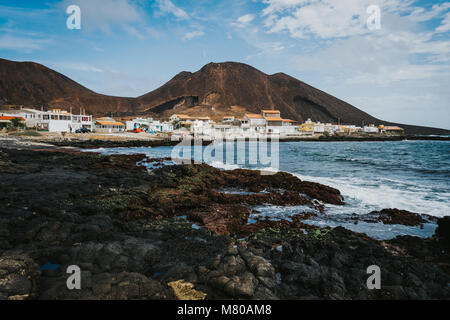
<point>108,125</point>
<point>253,123</point>
<point>371,129</point>
<point>271,114</point>
<point>228,119</point>
<point>55,120</point>
<point>349,129</point>
<point>7,120</point>
<point>267,124</point>
<point>274,121</point>
<point>137,123</point>
<point>288,122</point>
<point>179,117</point>
<point>319,128</point>
<point>308,127</point>
<point>186,118</point>
<point>393,130</point>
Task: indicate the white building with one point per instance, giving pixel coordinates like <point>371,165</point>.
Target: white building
<point>149,124</point>
<point>371,129</point>
<point>55,120</point>
<point>203,130</point>
<point>108,125</point>
<point>158,126</point>
<point>228,119</point>
<point>254,124</point>
<point>319,128</point>
<point>137,123</point>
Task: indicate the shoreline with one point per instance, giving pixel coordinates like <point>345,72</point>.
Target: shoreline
<point>127,229</point>
<point>114,141</point>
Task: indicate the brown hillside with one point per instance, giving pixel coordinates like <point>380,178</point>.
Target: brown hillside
<point>29,83</point>
<point>234,84</point>
<point>216,90</point>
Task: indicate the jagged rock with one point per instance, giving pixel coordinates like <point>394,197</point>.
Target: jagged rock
<point>185,291</point>
<point>19,275</point>
<point>396,216</point>
<point>106,286</point>
<point>125,229</point>
<point>443,230</point>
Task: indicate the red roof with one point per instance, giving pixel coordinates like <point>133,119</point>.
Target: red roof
<point>10,118</point>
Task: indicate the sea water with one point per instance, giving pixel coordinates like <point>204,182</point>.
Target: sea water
<point>407,175</point>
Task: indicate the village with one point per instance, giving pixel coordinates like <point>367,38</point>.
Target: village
<point>268,124</point>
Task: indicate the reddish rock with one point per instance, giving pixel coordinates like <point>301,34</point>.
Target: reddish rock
<point>396,216</point>
<point>223,220</point>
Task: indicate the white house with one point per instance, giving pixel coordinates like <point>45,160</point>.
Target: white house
<point>137,123</point>
<point>319,128</point>
<point>150,124</point>
<point>228,119</point>
<point>55,120</point>
<point>370,129</point>
<point>254,124</point>
<point>108,125</point>
<point>158,126</point>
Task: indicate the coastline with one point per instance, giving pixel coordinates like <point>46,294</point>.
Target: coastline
<point>133,233</point>
<point>116,141</point>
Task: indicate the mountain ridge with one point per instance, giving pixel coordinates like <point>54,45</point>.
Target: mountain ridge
<point>217,89</point>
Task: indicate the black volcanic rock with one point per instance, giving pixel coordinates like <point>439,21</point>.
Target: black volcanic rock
<point>443,230</point>
<point>115,221</point>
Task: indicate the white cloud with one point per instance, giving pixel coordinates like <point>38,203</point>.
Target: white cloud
<point>328,19</point>
<point>193,34</point>
<point>9,42</point>
<point>75,66</point>
<point>134,32</point>
<point>394,73</point>
<point>445,25</point>
<point>167,6</point>
<point>244,21</point>
<point>420,14</point>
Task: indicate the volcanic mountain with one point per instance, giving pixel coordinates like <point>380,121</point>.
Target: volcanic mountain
<point>216,90</point>
<point>32,84</point>
<point>220,86</point>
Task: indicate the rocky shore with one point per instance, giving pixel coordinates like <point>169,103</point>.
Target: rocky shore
<point>178,232</point>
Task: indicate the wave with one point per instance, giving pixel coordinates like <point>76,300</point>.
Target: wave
<point>361,196</point>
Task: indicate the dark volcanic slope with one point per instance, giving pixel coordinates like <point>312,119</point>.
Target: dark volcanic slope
<point>236,84</point>
<point>216,90</point>
<point>29,83</point>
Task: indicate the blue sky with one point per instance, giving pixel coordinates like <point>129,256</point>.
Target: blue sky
<point>400,72</point>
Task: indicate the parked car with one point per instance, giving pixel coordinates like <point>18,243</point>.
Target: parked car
<point>83,130</point>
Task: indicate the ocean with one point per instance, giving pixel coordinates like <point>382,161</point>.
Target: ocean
<point>407,175</point>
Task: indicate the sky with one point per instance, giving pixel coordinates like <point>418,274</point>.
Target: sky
<point>398,71</point>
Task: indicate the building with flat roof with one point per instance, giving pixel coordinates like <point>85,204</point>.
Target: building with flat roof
<point>55,120</point>
<point>108,125</point>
